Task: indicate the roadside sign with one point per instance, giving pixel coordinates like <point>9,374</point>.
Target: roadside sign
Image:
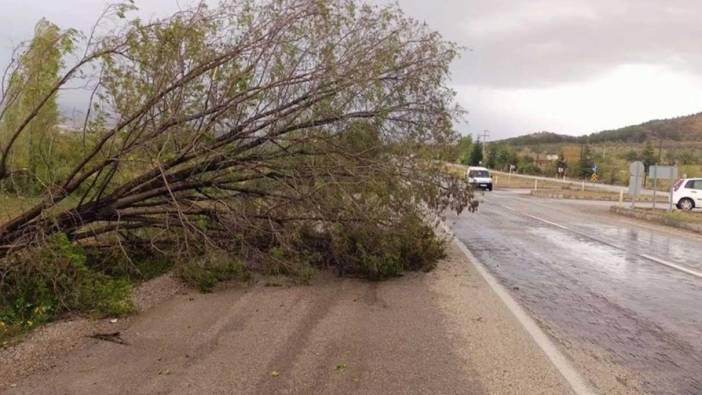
<point>636,177</point>
<point>663,172</point>
<point>636,167</point>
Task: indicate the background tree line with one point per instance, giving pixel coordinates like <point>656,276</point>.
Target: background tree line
<point>611,163</point>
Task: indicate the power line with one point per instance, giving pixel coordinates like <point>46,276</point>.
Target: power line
<point>485,135</point>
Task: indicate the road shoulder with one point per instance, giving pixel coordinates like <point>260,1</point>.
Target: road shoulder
<point>440,332</point>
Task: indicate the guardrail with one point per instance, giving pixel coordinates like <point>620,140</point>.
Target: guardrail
<point>582,184</point>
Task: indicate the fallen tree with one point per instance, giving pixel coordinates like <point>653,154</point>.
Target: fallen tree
<point>230,126</point>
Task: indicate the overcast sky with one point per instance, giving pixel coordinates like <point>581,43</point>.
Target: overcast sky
<point>567,66</point>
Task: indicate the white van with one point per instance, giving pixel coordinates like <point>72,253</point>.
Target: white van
<point>687,193</point>
<point>479,177</point>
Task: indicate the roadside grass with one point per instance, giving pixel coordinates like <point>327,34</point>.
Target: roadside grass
<point>515,182</point>
<point>12,205</point>
<point>212,268</point>
<point>42,284</point>
<point>689,221</point>
<point>503,181</point>
<point>588,194</point>
<point>685,216</point>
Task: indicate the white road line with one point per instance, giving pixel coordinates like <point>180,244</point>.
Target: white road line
<point>646,256</point>
<point>673,265</point>
<point>576,381</point>
<point>548,222</point>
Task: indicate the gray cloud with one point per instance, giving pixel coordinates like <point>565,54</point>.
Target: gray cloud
<point>517,43</point>
<point>516,46</point>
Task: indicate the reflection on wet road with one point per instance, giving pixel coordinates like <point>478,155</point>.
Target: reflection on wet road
<point>607,297</point>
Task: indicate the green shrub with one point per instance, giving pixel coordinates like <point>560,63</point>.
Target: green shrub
<point>43,283</point>
<point>100,295</point>
<point>420,247</point>
<point>212,268</point>
<point>529,168</point>
<point>375,252</point>
<point>379,253</point>
<point>140,265</point>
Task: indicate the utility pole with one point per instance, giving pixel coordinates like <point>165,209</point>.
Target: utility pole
<point>485,135</point>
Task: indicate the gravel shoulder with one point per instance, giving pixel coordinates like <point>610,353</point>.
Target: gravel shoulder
<point>443,332</point>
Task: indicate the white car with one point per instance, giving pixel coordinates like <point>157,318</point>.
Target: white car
<point>479,177</point>
<point>687,193</point>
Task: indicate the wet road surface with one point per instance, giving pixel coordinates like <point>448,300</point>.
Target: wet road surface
<point>597,284</point>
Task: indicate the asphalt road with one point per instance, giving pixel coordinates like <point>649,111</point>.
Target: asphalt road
<point>617,295</point>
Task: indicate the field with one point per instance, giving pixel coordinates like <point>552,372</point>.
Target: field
<point>516,182</point>
<point>612,163</point>
<point>11,205</point>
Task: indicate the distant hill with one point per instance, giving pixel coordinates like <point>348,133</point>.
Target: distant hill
<point>686,128</point>
<point>540,138</point>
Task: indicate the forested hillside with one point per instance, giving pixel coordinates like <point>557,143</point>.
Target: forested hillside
<point>686,128</point>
